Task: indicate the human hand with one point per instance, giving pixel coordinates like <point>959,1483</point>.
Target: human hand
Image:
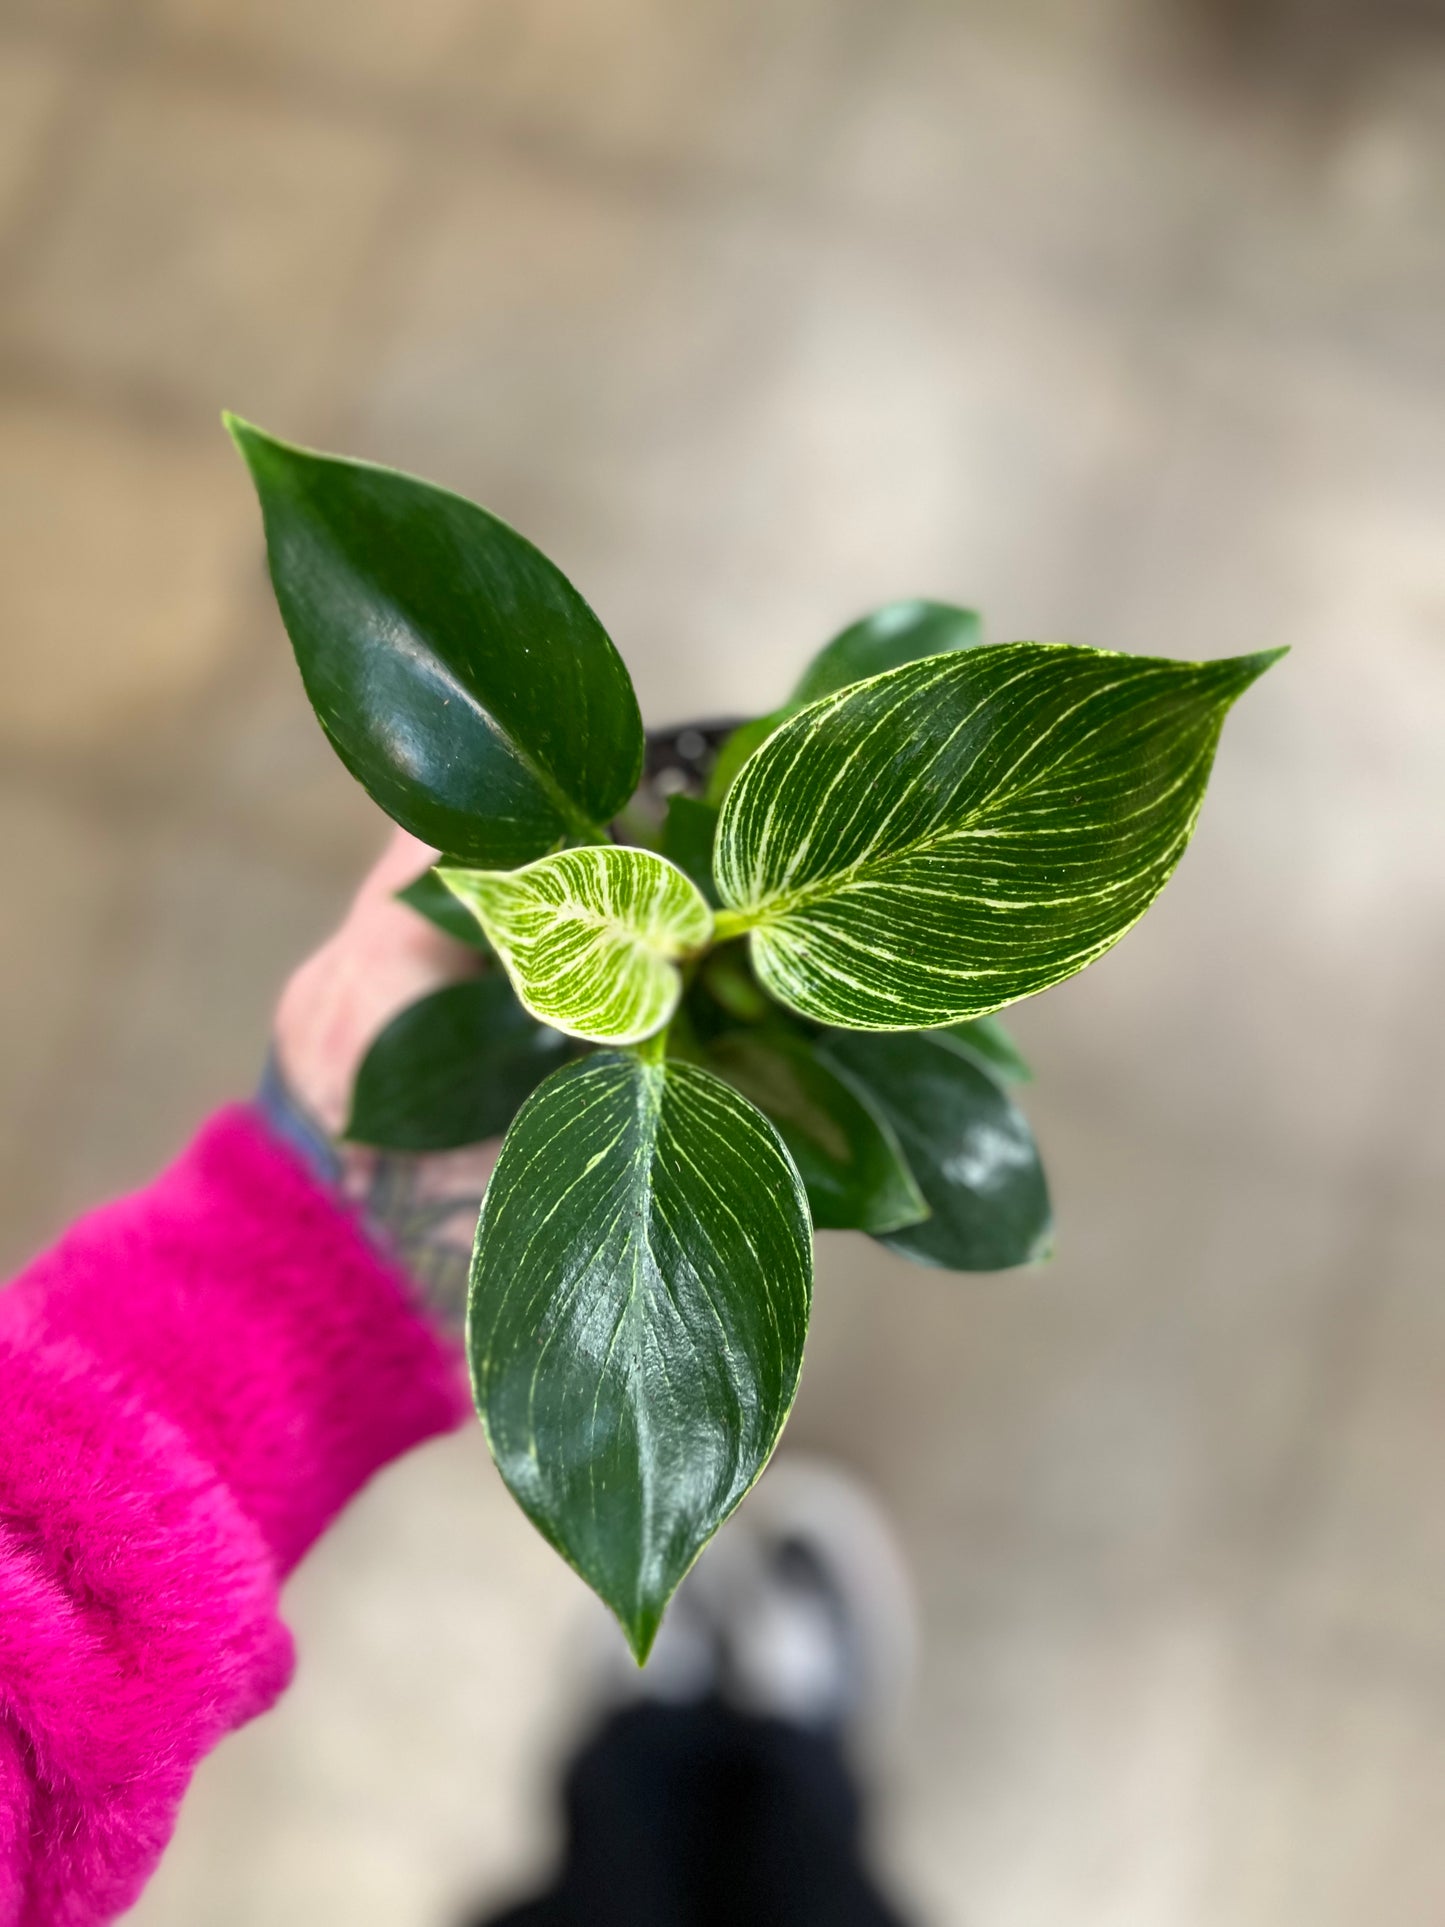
<point>382,958</point>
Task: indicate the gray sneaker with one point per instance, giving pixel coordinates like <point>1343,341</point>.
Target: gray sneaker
<point>799,1610</point>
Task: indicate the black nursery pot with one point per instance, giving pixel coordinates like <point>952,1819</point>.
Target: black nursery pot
<point>680,758</point>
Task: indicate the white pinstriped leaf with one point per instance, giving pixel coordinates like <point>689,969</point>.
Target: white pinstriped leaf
<point>640,1293</point>
<point>590,938</point>
<point>934,843</point>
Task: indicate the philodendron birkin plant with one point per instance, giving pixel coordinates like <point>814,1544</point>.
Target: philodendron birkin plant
<point>708,1032</point>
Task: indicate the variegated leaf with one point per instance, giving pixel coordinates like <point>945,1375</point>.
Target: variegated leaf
<point>639,1298</point>
<point>937,842</point>
<point>591,938</point>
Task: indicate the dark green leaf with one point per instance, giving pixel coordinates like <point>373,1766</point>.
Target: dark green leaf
<point>988,1040</point>
<point>856,1176</point>
<point>458,674</point>
<point>451,1069</point>
<point>897,633</point>
<point>738,748</point>
<point>431,898</point>
<point>640,1294</point>
<point>967,830</point>
<point>687,837</point>
<point>725,993</point>
<point>969,1148</point>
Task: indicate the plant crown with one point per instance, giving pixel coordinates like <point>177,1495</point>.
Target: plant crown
<point>709,1031</point>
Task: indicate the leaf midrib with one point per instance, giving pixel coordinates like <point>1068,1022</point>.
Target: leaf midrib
<point>665,950</point>
<point>571,813</point>
<point>784,903</point>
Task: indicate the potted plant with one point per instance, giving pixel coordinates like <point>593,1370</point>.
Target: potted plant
<point>712,1019</point>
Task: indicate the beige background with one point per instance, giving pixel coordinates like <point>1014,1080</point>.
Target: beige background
<point>753,315</point>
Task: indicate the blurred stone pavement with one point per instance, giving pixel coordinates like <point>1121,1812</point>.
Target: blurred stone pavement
<point>754,315</point>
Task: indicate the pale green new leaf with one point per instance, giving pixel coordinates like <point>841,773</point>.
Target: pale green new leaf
<point>963,831</point>
<point>590,938</point>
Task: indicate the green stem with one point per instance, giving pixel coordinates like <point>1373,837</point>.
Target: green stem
<point>585,836</point>
<point>652,1049</point>
<point>733,923</point>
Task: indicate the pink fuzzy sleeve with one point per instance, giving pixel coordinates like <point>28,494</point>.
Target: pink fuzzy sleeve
<point>192,1384</point>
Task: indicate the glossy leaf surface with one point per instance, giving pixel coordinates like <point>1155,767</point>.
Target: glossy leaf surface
<point>590,938</point>
<point>640,1294</point>
<point>847,1154</point>
<point>969,1148</point>
<point>459,675</point>
<point>738,748</point>
<point>967,830</point>
<point>452,1069</point>
<point>987,1039</point>
<point>687,839</point>
<point>431,898</point>
<point>897,633</point>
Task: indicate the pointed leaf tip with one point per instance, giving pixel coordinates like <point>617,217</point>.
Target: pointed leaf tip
<point>636,1320</point>
<point>456,672</point>
<point>243,433</point>
<point>1026,803</point>
<point>641,1635</point>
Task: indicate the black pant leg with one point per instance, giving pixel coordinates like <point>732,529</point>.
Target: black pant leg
<point>700,1817</point>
